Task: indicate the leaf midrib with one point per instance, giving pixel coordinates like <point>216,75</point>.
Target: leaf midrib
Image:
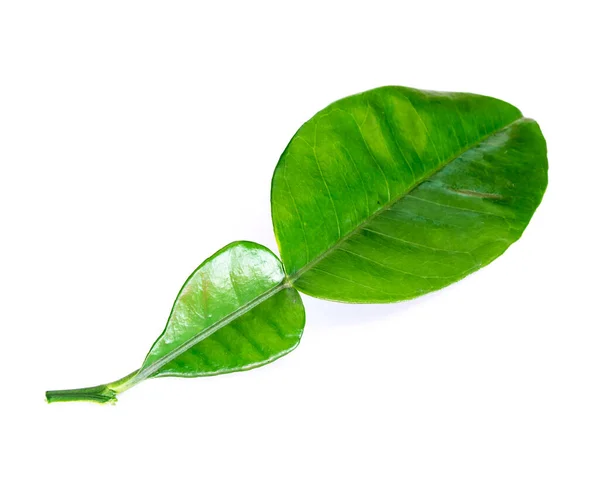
<point>307,267</point>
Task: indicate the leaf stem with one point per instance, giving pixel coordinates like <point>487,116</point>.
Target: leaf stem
<point>105,393</point>
<point>99,394</point>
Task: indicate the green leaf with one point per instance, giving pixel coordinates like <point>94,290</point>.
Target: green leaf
<point>235,312</point>
<point>380,197</point>
<point>396,192</point>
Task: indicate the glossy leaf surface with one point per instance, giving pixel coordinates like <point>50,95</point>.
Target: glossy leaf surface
<point>233,313</point>
<point>396,192</point>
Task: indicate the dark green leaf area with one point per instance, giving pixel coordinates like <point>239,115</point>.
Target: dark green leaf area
<point>396,192</point>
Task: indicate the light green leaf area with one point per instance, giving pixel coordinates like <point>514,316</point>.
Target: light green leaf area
<point>396,192</point>
<point>233,313</point>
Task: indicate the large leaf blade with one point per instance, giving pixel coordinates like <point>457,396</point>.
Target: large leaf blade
<point>396,192</point>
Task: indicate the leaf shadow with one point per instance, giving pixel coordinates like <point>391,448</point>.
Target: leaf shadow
<point>331,314</point>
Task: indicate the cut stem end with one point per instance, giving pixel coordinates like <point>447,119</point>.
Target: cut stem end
<point>99,394</point>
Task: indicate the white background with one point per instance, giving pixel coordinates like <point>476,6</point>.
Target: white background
<point>137,138</point>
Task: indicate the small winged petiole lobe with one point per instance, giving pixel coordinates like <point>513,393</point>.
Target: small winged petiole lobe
<point>235,312</point>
